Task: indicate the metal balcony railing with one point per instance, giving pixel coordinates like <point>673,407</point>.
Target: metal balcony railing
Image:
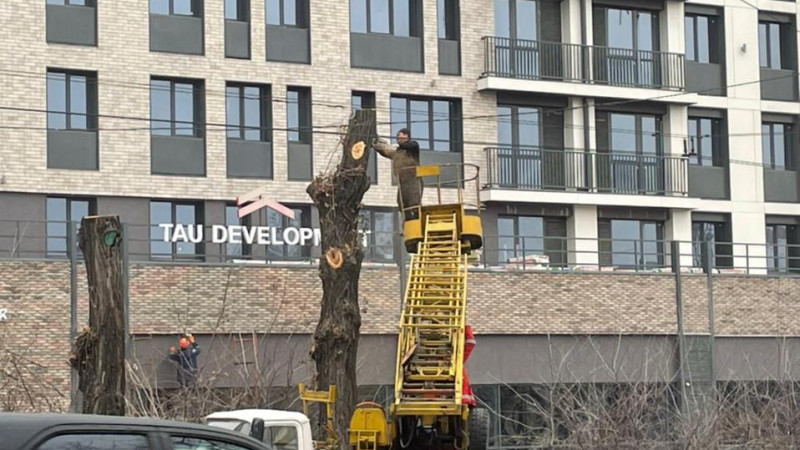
<point>541,60</point>
<point>536,168</point>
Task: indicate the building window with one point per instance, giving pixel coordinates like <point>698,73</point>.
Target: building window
<point>298,114</point>
<point>193,8</point>
<point>71,2</point>
<point>770,52</point>
<point>366,100</point>
<point>516,19</point>
<point>60,212</point>
<point>447,19</point>
<point>776,146</point>
<point>71,100</point>
<point>238,10</point>
<point>526,237</point>
<point>782,248</point>
<point>177,213</point>
<point>393,17</point>
<point>631,243</point>
<point>232,219</point>
<point>302,219</point>
<point>377,228</point>
<point>718,236</point>
<point>434,123</point>
<point>176,107</point>
<point>518,126</point>
<point>702,38</point>
<point>705,136</point>
<point>247,110</point>
<point>286,13</point>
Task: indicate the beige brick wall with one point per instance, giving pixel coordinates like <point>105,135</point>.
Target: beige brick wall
<point>168,299</point>
<point>124,65</point>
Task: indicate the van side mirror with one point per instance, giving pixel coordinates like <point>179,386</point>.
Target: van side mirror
<point>257,430</point>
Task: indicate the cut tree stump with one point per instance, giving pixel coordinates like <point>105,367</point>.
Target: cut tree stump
<point>337,195</point>
<point>100,349</point>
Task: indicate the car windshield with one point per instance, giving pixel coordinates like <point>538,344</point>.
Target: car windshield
<point>230,424</point>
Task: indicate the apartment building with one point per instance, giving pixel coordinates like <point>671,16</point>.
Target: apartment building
<point>609,134</point>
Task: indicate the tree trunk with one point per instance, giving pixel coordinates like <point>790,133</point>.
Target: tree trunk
<point>338,197</point>
<point>100,348</point>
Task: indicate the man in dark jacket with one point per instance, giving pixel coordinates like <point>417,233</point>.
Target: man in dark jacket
<point>186,359</point>
<point>405,158</point>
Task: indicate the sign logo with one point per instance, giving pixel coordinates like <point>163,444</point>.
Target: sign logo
<point>3,314</point>
<point>257,199</point>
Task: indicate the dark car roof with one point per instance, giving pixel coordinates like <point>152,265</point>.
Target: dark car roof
<point>18,429</point>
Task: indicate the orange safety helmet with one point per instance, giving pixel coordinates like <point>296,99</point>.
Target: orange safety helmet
<point>184,343</point>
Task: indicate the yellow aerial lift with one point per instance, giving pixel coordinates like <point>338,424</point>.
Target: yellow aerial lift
<point>428,411</point>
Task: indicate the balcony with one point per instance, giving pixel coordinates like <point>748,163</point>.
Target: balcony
<point>551,64</point>
<point>573,171</point>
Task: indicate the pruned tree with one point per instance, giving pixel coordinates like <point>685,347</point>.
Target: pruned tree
<point>100,349</point>
<point>337,195</point>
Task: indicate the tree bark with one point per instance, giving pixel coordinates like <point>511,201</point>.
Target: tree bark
<point>100,349</point>
<point>338,197</point>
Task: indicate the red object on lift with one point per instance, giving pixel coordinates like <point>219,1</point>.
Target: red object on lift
<point>469,344</point>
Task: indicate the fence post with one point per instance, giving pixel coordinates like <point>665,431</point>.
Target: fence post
<point>72,254</point>
<point>126,300</point>
<point>709,263</point>
<point>676,269</point>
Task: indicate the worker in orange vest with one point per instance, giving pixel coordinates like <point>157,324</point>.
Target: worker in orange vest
<point>469,344</point>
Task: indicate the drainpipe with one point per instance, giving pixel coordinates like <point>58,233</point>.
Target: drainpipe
<point>587,138</point>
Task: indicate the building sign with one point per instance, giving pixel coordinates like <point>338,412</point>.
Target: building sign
<point>257,235</point>
<point>237,234</point>
<point>3,314</point>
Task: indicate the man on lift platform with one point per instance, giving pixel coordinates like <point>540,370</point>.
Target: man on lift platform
<point>403,158</point>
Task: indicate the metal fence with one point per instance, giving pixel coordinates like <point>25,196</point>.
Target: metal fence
<point>537,168</point>
<point>542,60</point>
<point>525,252</point>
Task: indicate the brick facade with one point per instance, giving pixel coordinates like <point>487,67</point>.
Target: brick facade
<point>168,299</point>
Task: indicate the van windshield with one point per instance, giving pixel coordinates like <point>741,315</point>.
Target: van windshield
<point>230,424</point>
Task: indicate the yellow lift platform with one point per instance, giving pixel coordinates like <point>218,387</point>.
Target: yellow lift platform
<point>428,412</point>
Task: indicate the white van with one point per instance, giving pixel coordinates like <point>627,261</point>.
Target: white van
<point>281,430</point>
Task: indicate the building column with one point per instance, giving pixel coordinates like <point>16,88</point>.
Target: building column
<point>675,129</point>
<point>672,28</point>
<point>749,231</point>
<point>582,242</point>
<point>679,228</point>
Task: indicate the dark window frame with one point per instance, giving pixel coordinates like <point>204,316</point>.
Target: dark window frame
<point>86,3</point>
<point>517,236</point>
<point>514,120</point>
<point>770,64</point>
<point>655,28</point>
<point>789,146</point>
<point>606,247</point>
<point>305,222</point>
<point>300,14</point>
<point>196,5</point>
<point>91,99</point>
<point>720,243</point>
<point>448,29</point>
<point>265,110</point>
<point>513,18</point>
<point>199,249</point>
<point>304,130</point>
<point>371,251</point>
<point>782,257</point>
<point>198,106</point>
<point>69,200</point>
<point>712,38</point>
<point>454,141</point>
<point>242,11</point>
<point>716,156</point>
<point>414,19</point>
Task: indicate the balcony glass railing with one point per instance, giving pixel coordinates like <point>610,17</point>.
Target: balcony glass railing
<point>540,60</point>
<point>536,168</point>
